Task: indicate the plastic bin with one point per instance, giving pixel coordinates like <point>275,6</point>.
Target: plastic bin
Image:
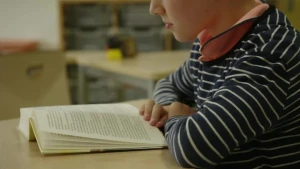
<point>90,39</point>
<point>92,15</point>
<point>137,15</point>
<point>95,73</point>
<point>101,92</point>
<point>151,39</point>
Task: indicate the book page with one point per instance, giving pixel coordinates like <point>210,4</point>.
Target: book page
<point>24,126</point>
<point>117,122</point>
<point>25,114</point>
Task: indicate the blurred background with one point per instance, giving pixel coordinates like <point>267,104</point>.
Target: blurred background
<point>58,52</point>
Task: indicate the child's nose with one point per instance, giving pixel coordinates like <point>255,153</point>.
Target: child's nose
<point>156,7</point>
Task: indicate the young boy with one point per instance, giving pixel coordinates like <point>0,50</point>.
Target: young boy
<point>243,75</point>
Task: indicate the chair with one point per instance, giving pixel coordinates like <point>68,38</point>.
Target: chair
<point>30,80</point>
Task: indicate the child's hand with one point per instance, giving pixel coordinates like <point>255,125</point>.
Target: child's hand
<point>155,113</point>
<point>179,109</point>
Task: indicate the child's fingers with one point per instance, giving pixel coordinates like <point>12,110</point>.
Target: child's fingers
<point>156,114</point>
<point>162,121</point>
<point>148,109</point>
<point>142,109</point>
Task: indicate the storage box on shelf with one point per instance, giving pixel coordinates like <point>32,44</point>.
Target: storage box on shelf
<point>89,39</point>
<point>86,26</point>
<point>137,15</point>
<point>101,92</point>
<point>146,39</point>
<point>87,15</point>
<point>145,29</point>
<point>101,87</point>
<point>92,15</point>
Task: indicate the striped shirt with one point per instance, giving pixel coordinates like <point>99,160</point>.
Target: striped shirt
<point>248,101</point>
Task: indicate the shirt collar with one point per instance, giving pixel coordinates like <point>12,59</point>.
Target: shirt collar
<point>212,48</point>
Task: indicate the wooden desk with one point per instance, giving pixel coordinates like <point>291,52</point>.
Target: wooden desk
<point>142,71</point>
<point>17,153</point>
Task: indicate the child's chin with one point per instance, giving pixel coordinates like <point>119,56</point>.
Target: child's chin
<point>182,38</point>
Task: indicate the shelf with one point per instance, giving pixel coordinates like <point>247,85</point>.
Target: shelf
<point>115,19</point>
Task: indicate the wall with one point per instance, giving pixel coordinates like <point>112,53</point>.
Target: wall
<point>292,9</point>
<point>30,19</point>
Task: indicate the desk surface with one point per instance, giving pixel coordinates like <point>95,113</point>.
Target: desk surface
<point>151,65</point>
<point>17,153</point>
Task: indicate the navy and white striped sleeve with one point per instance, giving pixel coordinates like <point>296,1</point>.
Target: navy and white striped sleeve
<point>178,86</point>
<point>250,101</point>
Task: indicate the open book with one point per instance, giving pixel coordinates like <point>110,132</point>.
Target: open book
<point>89,128</point>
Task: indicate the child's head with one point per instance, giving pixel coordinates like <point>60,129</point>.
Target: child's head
<point>187,18</point>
